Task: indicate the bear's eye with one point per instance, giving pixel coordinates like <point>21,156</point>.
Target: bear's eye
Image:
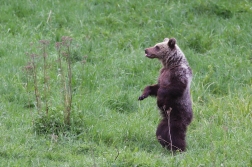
<point>157,47</point>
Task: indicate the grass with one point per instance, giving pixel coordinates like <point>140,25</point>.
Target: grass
<point>110,127</point>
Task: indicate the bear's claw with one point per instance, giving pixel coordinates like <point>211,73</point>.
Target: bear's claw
<point>141,97</point>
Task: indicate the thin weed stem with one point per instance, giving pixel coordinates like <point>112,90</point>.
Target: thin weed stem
<point>46,78</point>
<point>168,112</point>
<point>160,138</point>
<point>61,73</point>
<point>35,82</point>
<point>66,79</point>
<point>69,94</point>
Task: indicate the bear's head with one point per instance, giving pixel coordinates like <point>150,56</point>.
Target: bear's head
<point>160,50</point>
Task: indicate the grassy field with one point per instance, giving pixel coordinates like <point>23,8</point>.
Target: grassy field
<point>109,126</point>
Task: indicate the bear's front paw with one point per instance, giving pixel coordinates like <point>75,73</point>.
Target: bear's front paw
<point>141,97</point>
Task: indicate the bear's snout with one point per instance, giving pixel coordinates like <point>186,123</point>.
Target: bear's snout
<point>146,52</point>
<point>149,53</point>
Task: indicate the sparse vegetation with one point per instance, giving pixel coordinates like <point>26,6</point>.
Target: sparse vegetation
<point>48,119</point>
<point>109,127</point>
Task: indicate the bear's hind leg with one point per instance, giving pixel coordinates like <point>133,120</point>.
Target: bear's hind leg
<point>178,142</point>
<point>162,133</point>
<point>178,135</point>
<point>168,136</point>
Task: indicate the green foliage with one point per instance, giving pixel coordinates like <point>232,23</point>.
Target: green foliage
<point>210,8</point>
<point>50,124</point>
<point>109,127</point>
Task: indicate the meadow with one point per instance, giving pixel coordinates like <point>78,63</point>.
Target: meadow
<point>109,126</point>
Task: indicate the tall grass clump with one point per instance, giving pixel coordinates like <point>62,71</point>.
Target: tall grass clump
<point>48,77</point>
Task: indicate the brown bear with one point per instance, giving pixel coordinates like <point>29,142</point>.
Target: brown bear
<point>173,94</point>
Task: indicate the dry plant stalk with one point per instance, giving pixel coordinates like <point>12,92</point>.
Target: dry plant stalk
<point>49,16</point>
<point>66,82</point>
<point>37,70</point>
<point>168,112</point>
<point>46,78</point>
<point>35,82</point>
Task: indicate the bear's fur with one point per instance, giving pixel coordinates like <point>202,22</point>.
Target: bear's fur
<point>173,94</point>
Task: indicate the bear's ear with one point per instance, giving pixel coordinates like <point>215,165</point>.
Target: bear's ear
<point>166,39</point>
<point>171,43</point>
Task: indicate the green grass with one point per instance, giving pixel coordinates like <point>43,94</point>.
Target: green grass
<point>110,127</point>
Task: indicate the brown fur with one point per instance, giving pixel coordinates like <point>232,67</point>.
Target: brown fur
<point>172,92</point>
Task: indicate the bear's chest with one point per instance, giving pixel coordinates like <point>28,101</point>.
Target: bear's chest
<point>164,78</point>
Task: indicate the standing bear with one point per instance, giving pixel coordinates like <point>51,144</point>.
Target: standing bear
<point>173,94</point>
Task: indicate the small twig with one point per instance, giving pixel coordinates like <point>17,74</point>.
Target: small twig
<point>160,138</point>
<point>117,153</point>
<point>168,112</point>
<point>49,16</point>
